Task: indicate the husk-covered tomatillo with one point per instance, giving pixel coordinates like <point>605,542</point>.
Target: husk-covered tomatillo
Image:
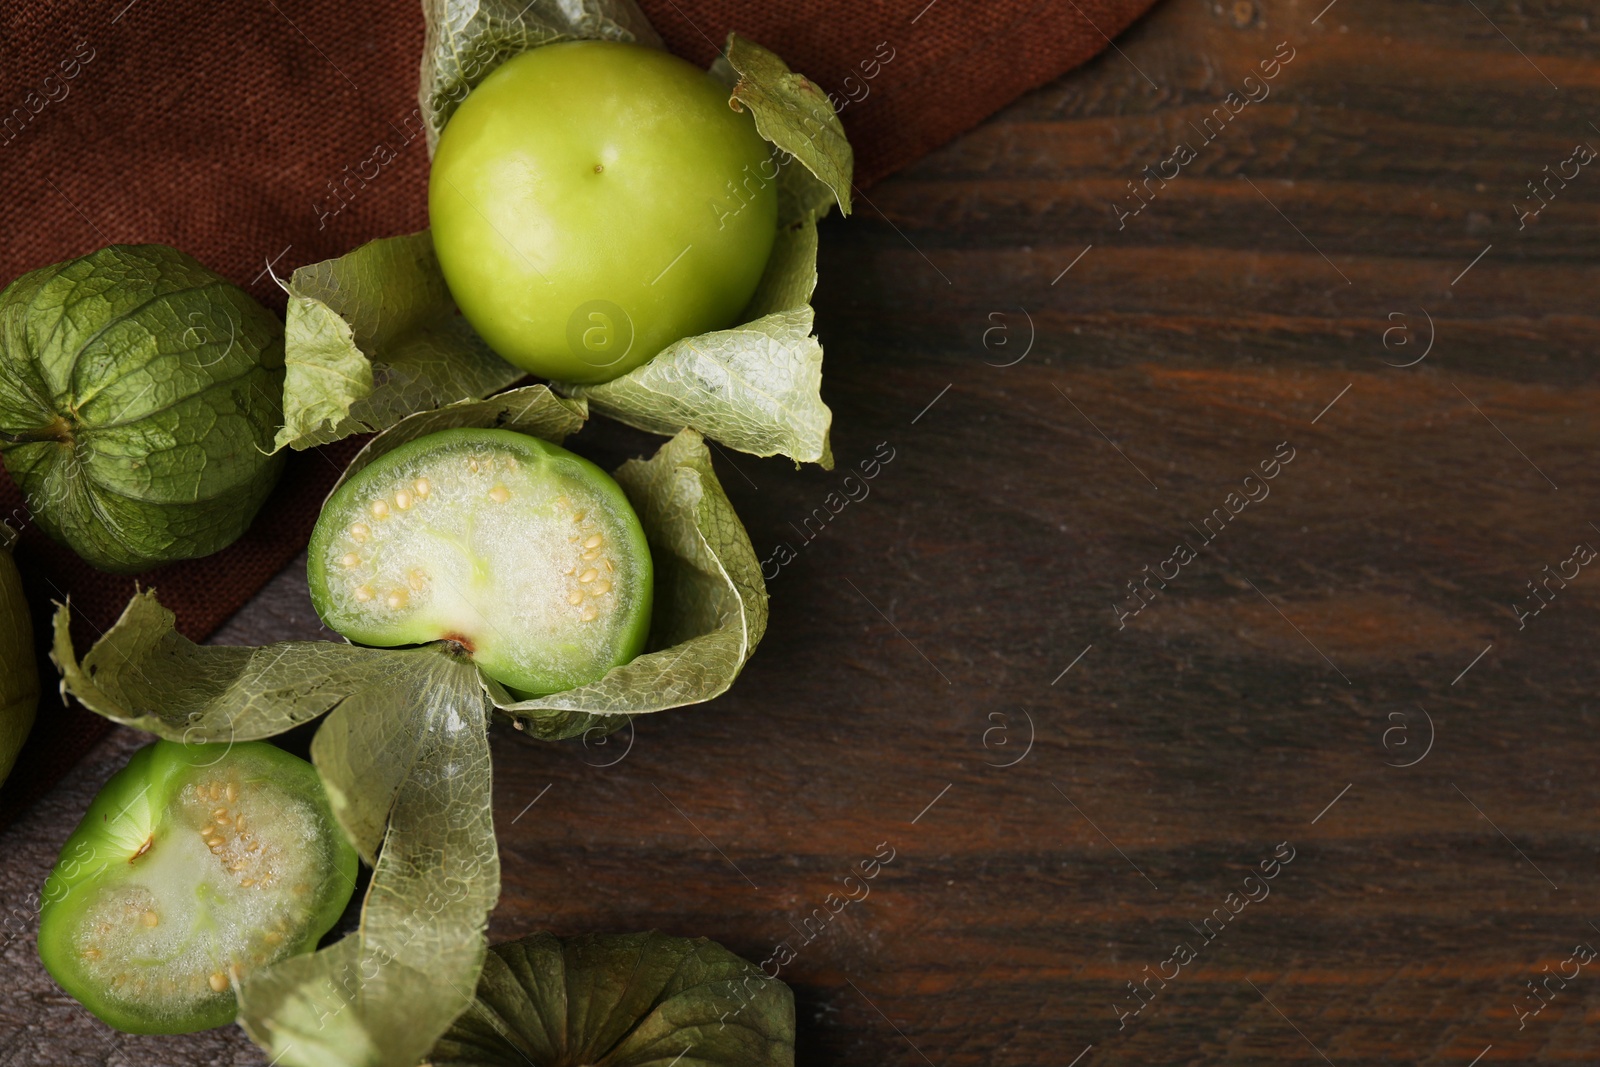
<point>139,396</point>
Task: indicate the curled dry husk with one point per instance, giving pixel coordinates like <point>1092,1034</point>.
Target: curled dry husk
<point>374,334</point>
<point>404,753</point>
<point>388,299</point>
<point>620,999</point>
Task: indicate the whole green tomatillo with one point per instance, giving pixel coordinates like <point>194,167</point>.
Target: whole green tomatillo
<point>139,396</point>
<point>194,865</point>
<point>592,202</point>
<point>528,556</point>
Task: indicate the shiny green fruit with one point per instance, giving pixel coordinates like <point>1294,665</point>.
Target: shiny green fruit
<point>194,865</point>
<point>529,557</point>
<point>592,202</point>
<point>139,397</point>
<point>19,671</point>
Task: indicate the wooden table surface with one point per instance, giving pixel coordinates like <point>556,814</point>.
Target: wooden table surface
<point>1072,776</point>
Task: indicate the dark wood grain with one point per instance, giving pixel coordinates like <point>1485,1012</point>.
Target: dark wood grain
<point>918,644</point>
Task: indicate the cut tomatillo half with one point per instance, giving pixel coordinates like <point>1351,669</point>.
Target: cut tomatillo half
<point>529,557</point>
<point>195,865</point>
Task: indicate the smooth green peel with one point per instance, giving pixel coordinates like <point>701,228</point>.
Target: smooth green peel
<point>195,865</point>
<point>529,557</point>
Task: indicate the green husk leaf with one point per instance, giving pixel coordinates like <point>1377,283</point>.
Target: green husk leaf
<point>801,195</point>
<point>790,278</point>
<point>754,388</point>
<point>793,113</point>
<point>710,601</point>
<point>466,39</point>
<point>373,336</point>
<point>384,994</point>
<point>144,674</point>
<point>621,1000</point>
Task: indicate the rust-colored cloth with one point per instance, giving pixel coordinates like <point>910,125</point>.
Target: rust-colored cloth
<point>225,129</point>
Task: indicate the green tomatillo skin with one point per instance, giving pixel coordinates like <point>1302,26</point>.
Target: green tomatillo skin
<point>592,202</point>
<point>139,396</point>
<point>530,557</point>
<point>194,865</point>
<point>19,672</point>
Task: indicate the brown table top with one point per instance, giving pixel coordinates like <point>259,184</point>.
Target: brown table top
<point>1342,279</point>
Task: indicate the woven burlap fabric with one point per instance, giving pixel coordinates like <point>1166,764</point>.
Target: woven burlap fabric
<point>223,129</point>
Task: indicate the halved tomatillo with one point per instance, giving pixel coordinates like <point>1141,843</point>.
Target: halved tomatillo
<point>194,865</point>
<point>529,557</point>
